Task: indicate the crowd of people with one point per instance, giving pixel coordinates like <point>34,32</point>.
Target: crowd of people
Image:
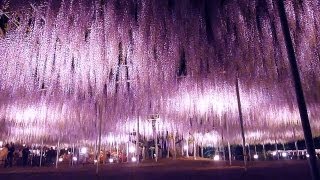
<point>17,155</point>
<point>8,152</point>
<point>23,155</point>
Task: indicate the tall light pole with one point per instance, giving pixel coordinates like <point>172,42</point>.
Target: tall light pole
<point>299,92</point>
<point>154,118</point>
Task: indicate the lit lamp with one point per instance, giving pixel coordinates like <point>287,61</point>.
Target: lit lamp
<point>83,150</point>
<point>284,154</point>
<point>60,159</point>
<point>216,158</point>
<point>307,155</point>
<point>274,153</point>
<point>74,158</point>
<point>134,159</point>
<point>255,156</point>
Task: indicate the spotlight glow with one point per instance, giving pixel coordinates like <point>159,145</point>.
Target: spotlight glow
<point>134,159</point>
<point>60,159</point>
<point>216,158</point>
<point>284,154</point>
<point>255,156</point>
<point>110,160</point>
<point>74,158</point>
<point>307,155</point>
<point>274,153</point>
<point>83,150</point>
<point>132,149</point>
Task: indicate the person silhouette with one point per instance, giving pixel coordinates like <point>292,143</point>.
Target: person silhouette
<point>11,150</point>
<point>25,155</point>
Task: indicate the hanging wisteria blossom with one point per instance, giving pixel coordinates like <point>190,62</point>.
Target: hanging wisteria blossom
<point>65,64</point>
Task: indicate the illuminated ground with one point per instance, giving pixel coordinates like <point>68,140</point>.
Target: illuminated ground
<point>164,169</point>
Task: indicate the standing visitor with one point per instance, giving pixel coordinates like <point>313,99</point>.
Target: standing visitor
<point>25,155</point>
<point>9,161</point>
<point>4,154</point>
<point>11,153</point>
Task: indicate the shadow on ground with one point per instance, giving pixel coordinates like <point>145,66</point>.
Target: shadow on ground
<point>169,169</point>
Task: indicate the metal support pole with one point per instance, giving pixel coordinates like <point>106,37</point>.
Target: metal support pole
<point>127,152</point>
<point>241,125</point>
<point>58,151</point>
<point>264,152</point>
<point>152,154</point>
<point>284,149</point>
<point>297,149</point>
<point>156,147</point>
<point>105,154</point>
<point>95,148</point>
<point>72,154</point>
<point>137,141</point>
<point>168,149</point>
<point>276,145</point>
<point>187,150</point>
<point>223,153</point>
<point>99,140</point>
<point>255,150</point>
<point>182,149</point>
<point>229,152</point>
<point>299,93</point>
<point>296,143</point>
<point>110,148</point>
<point>249,154</point>
<point>161,143</point>
<point>229,147</point>
<point>32,154</point>
<point>174,146</point>
<point>222,146</point>
<point>202,150</point>
<point>194,150</point>
<point>156,144</point>
<point>143,153</point>
<point>41,152</point>
<point>117,148</point>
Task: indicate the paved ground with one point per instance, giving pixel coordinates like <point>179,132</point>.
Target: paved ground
<point>168,169</point>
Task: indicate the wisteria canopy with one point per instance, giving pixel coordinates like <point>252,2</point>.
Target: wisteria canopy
<point>66,64</point>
